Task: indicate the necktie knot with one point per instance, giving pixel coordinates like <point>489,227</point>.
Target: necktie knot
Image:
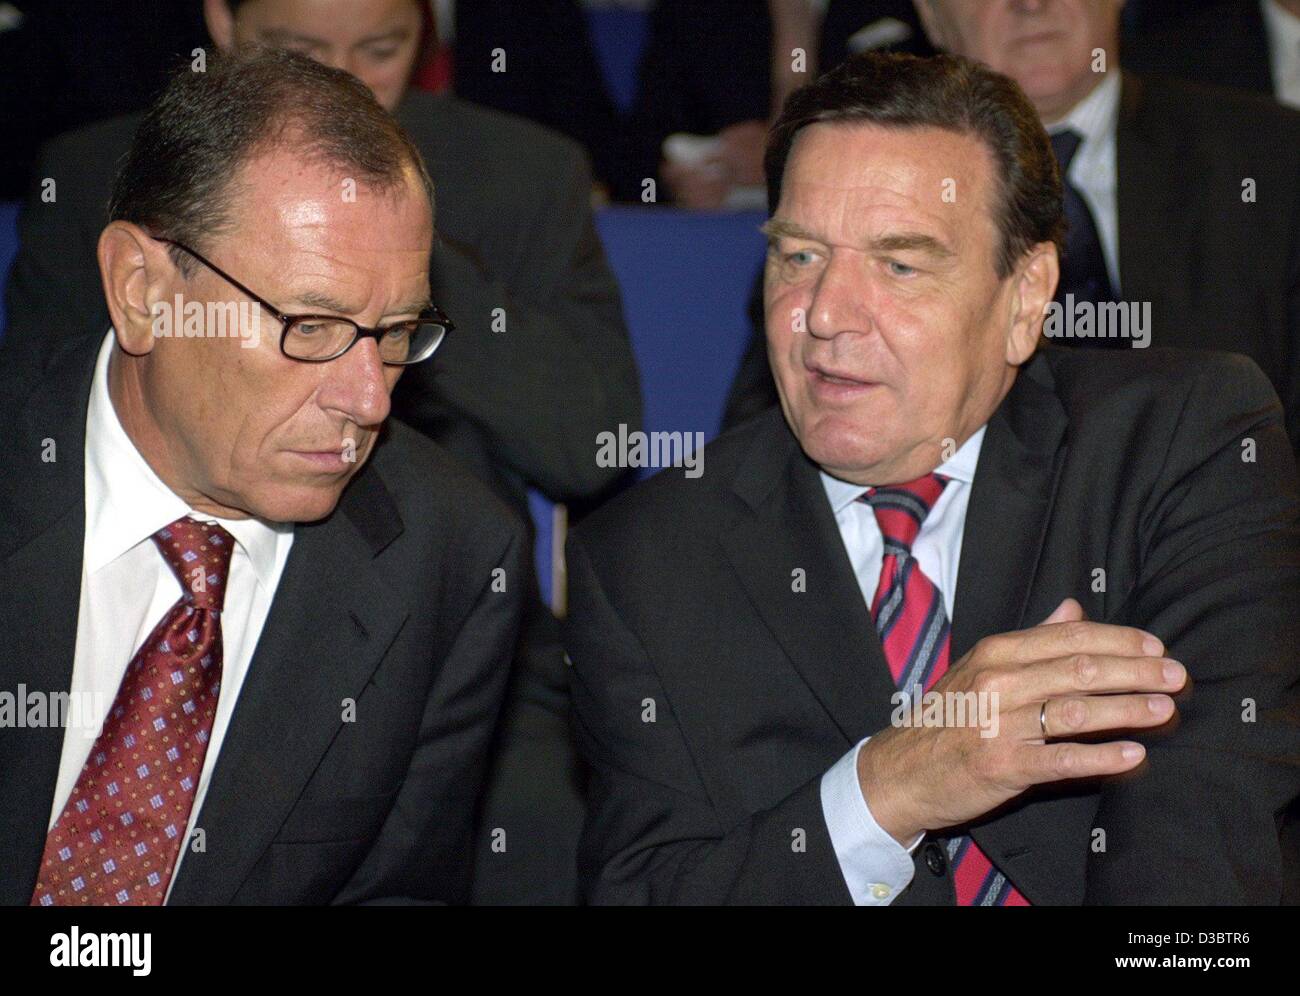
<point>901,508</point>
<point>199,555</point>
<point>1065,144</point>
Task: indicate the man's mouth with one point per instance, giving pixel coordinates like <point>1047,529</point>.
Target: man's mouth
<point>838,378</point>
<point>331,460</point>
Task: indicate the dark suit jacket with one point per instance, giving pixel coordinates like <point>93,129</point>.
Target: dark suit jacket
<point>552,73</point>
<point>1220,272</point>
<point>1222,44</point>
<point>387,602</point>
<point>708,64</point>
<point>54,64</point>
<point>682,596</point>
<point>522,406</point>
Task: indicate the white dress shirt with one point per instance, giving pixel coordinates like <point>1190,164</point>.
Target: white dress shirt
<point>1283,30</point>
<point>1092,170</point>
<point>127,587</point>
<point>876,867</point>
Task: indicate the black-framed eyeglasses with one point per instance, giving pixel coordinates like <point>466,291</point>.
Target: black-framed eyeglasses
<point>321,338</point>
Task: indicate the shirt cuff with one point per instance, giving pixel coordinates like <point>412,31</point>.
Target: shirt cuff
<point>875,866</point>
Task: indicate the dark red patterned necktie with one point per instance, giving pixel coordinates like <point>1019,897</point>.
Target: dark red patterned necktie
<point>914,629</point>
<point>117,839</point>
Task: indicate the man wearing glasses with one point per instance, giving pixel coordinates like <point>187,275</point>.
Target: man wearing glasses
<point>286,624</point>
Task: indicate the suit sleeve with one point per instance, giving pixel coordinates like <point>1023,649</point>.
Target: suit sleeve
<point>1220,585</point>
<point>560,371</point>
<point>446,772</point>
<point>652,835</point>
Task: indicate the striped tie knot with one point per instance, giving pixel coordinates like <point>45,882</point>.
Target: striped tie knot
<point>199,555</point>
<point>901,508</point>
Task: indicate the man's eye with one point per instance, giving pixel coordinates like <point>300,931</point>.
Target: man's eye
<point>382,54</point>
<point>900,269</point>
<point>800,257</point>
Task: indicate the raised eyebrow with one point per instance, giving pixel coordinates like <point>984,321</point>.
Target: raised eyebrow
<point>774,228</point>
<point>912,242</point>
<point>314,299</point>
<point>415,308</point>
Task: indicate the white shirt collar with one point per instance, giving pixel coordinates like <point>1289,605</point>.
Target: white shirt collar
<point>1095,115</point>
<point>126,502</point>
<point>961,467</point>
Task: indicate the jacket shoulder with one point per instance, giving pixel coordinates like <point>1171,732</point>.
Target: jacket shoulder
<point>1186,108</point>
<point>1101,385</point>
<point>486,136</point>
<point>432,489</point>
<point>679,504</point>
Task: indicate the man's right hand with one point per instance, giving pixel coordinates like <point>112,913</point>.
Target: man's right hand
<point>1093,677</point>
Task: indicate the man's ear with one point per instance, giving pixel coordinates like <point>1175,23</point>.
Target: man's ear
<point>1035,284</point>
<point>138,273</point>
<point>221,23</point>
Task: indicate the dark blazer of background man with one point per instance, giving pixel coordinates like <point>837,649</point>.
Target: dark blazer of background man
<point>724,657</point>
<point>1221,43</point>
<point>1205,181</point>
<point>540,363</point>
<point>385,600</point>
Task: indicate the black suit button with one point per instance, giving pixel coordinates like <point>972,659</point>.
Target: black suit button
<point>935,859</point>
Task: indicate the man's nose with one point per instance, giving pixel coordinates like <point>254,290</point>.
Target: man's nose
<point>840,298</point>
<point>357,386</point>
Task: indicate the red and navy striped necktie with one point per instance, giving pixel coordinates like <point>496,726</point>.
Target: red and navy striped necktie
<point>914,629</point>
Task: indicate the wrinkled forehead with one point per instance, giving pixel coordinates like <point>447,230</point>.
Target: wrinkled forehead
<point>849,177</point>
<point>300,220</point>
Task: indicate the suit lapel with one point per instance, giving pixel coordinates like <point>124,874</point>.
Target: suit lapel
<point>331,622</point>
<point>333,619</point>
<point>1007,517</point>
<point>825,630</point>
<point>43,512</point>
<point>1007,514</point>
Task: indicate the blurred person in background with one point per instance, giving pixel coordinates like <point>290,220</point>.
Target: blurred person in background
<point>533,59</point>
<point>717,71</point>
<point>540,365</point>
<point>55,56</point>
